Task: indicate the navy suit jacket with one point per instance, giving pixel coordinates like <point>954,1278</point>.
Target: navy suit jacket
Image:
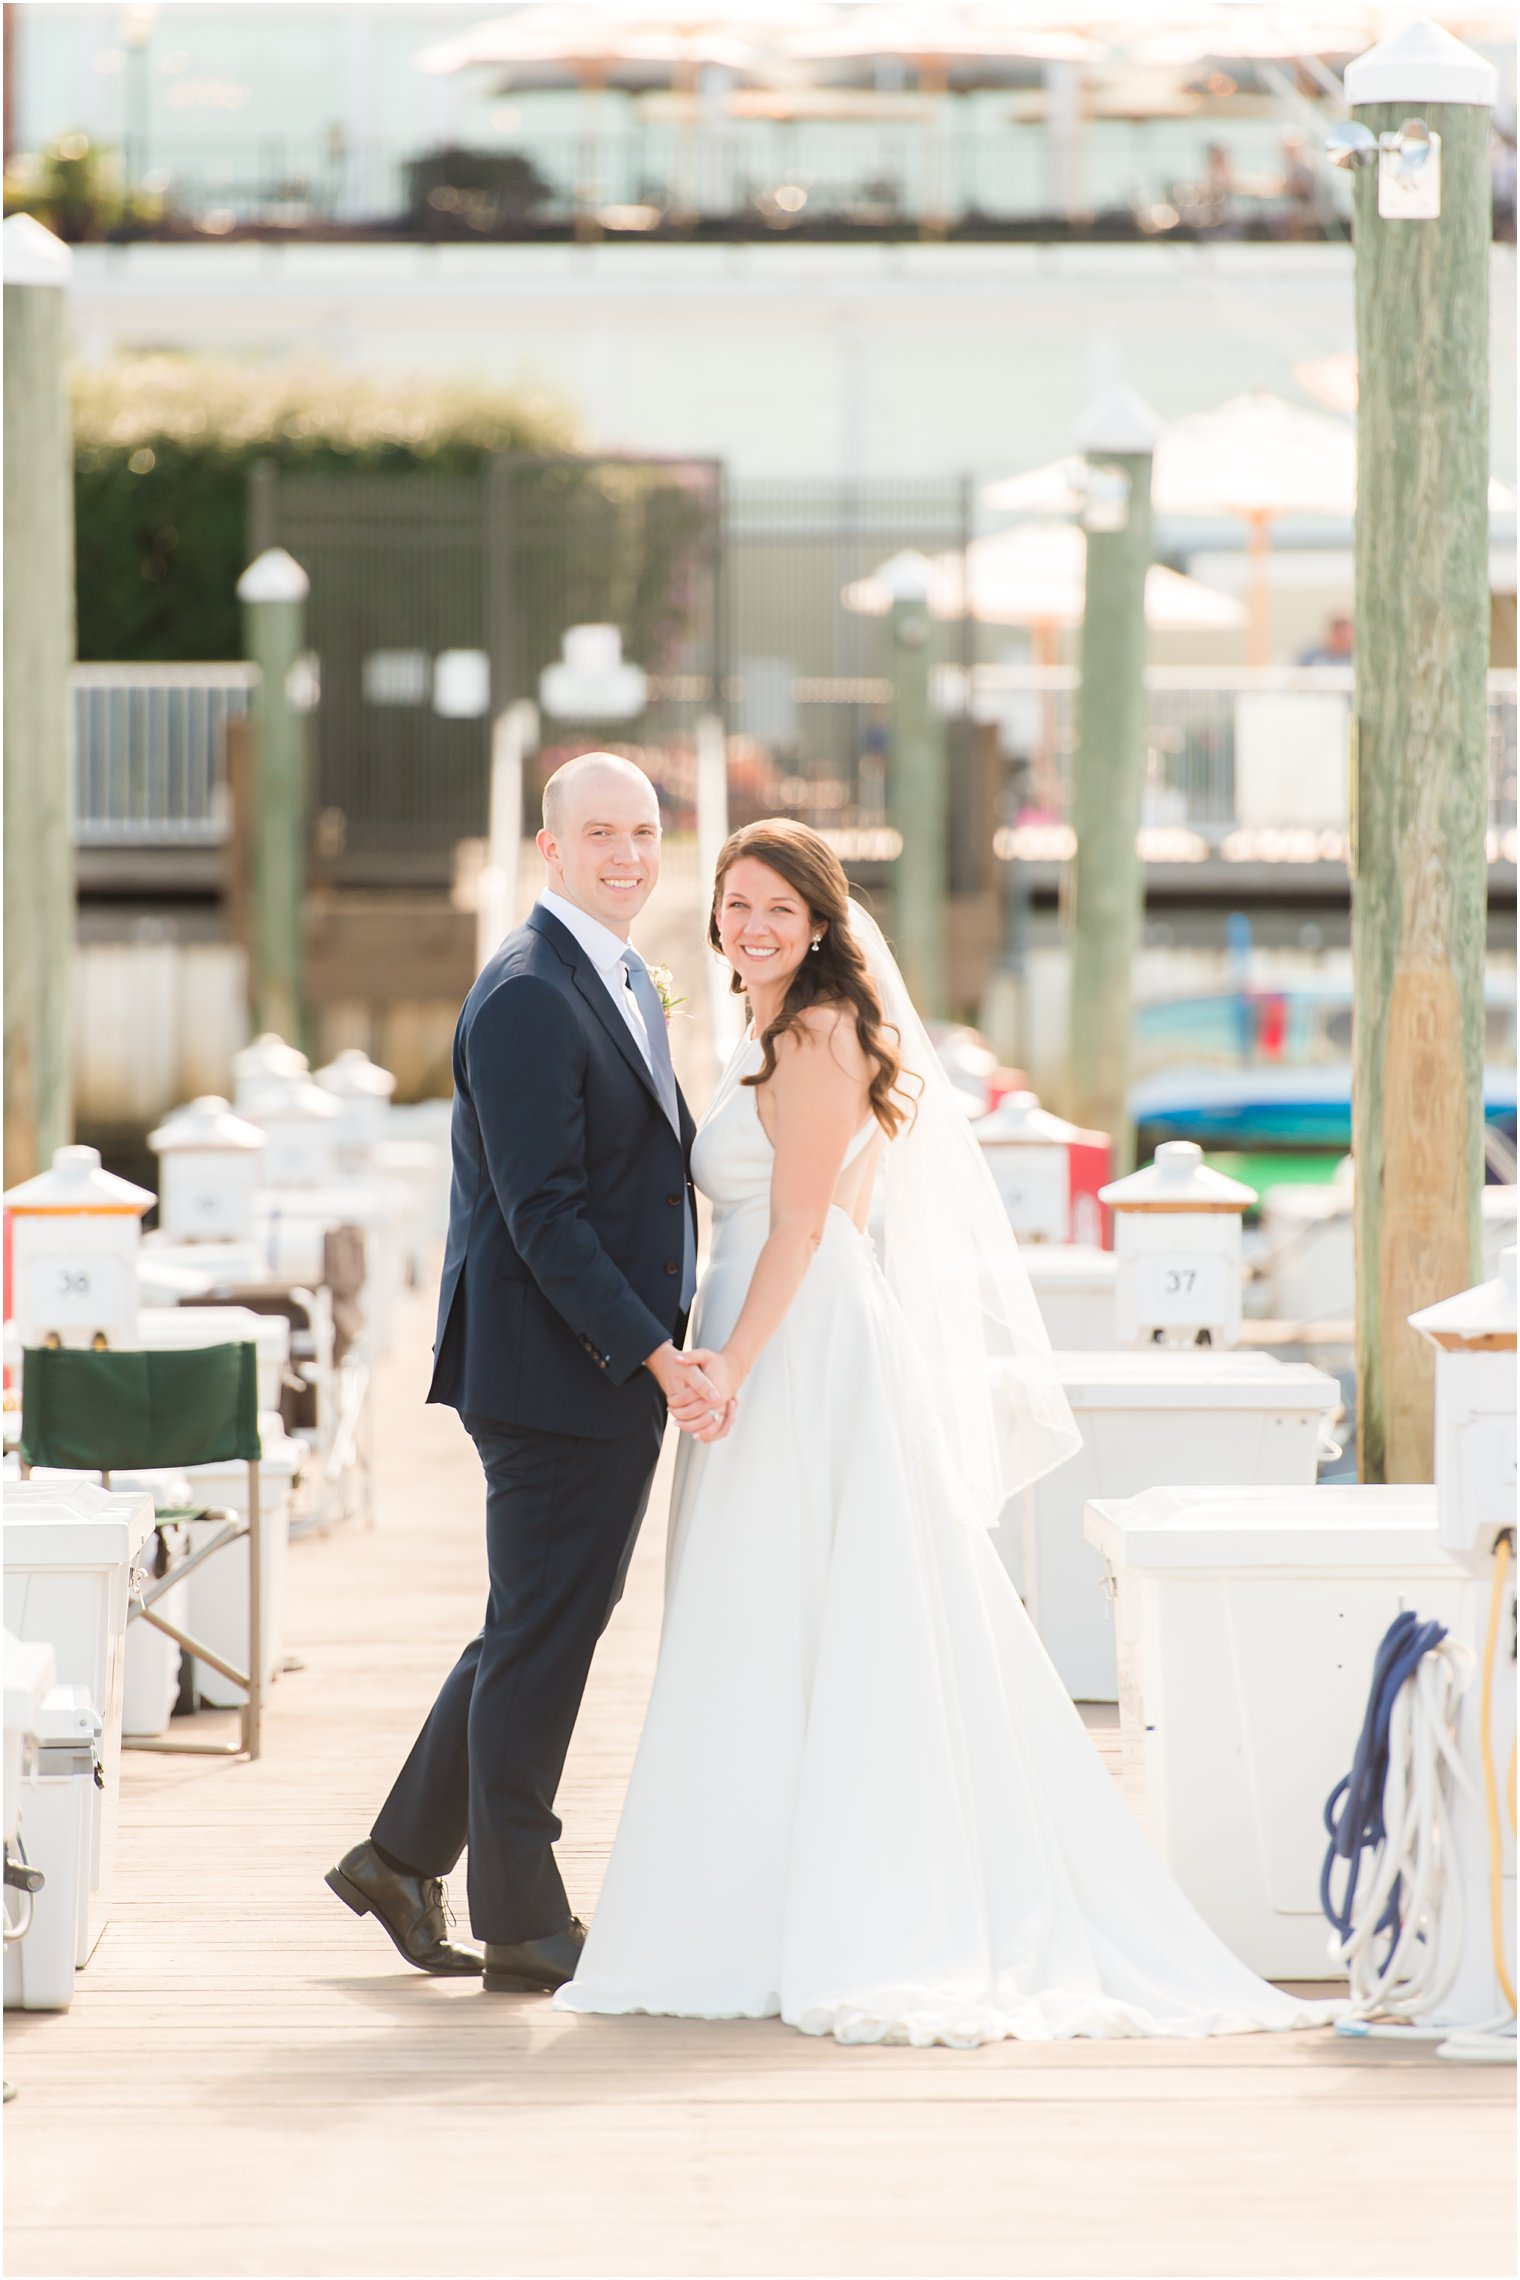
<point>562,1270</point>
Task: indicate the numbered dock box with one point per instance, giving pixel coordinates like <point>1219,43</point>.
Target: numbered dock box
<point>1248,1619</point>
<point>266,1058</point>
<point>1150,1418</point>
<point>75,1236</point>
<point>211,1166</point>
<point>1048,1173</point>
<point>71,1552</point>
<point>363,1092</point>
<point>1177,1238</point>
<point>300,1121</point>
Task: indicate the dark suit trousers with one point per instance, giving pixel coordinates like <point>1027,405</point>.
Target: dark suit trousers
<point>562,1515</point>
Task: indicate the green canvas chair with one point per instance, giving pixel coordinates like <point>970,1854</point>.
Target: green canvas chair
<point>119,1411</point>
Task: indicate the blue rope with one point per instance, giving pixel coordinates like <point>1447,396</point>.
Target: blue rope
<point>1358,1829</point>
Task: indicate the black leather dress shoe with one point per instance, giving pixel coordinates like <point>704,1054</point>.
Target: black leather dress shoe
<point>411,1908</point>
<point>535,1967</point>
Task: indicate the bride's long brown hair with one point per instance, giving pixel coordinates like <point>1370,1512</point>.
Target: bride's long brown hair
<point>836,974</point>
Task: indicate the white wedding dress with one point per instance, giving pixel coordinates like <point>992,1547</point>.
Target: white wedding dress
<point>863,1799</point>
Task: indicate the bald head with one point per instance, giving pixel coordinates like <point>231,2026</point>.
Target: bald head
<point>601,837</point>
<point>593,777</point>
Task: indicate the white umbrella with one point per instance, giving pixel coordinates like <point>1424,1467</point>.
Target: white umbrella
<point>593,42</point>
<point>1036,575</point>
<point>935,36</point>
<point>1256,457</point>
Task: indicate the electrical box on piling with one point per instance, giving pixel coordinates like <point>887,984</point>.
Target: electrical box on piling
<point>301,1123</point>
<point>268,1056</point>
<point>362,1090</point>
<point>75,1232</point>
<point>1474,1338</point>
<point>211,1167</point>
<point>1177,1238</point>
<point>1049,1173</point>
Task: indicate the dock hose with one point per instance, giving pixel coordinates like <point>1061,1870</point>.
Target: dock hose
<point>1389,1820</point>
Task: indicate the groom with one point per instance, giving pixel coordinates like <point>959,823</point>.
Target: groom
<point>567,1278</point>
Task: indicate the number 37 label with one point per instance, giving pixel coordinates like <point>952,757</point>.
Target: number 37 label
<point>1181,1290</point>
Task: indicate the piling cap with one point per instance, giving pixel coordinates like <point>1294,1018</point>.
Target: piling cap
<point>32,255</point>
<point>274,576</point>
<point>207,1123</point>
<point>1121,423</point>
<point>1481,1320</point>
<point>1178,1180</point>
<point>267,1056</point>
<point>1421,64</point>
<point>1019,1118</point>
<point>906,577</point>
<point>289,1098</point>
<point>354,1076</point>
<point>76,1183</point>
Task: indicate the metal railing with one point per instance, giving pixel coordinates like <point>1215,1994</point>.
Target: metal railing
<point>150,752</point>
<point>949,168</point>
<point>1255,748</point>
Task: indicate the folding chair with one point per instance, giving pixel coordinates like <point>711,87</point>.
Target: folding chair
<point>120,1411</point>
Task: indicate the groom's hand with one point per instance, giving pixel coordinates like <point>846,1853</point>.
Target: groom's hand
<point>689,1392</point>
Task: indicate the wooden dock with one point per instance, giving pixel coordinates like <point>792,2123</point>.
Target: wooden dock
<point>249,2081</point>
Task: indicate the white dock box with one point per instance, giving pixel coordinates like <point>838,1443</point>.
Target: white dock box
<point>1247,1622</point>
<point>218,1608</point>
<point>70,1550</point>
<point>57,1831</point>
<point>1075,1286</point>
<point>29,1678</point>
<point>1158,1416</point>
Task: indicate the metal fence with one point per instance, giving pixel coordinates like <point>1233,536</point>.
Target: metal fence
<point>416,578</point>
<point>150,752</point>
<point>1255,748</point>
<point>438,601</point>
<point>941,170</point>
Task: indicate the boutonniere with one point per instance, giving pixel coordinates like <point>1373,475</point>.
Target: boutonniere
<point>665,985</point>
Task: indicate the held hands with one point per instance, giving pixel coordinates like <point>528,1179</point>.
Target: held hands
<point>700,1388</point>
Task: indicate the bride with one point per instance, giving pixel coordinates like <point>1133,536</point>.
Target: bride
<point>863,1799</point>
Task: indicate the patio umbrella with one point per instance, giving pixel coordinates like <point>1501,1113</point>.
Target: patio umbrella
<point>595,42</point>
<point>1256,457</point>
<point>938,37</point>
<point>1036,576</point>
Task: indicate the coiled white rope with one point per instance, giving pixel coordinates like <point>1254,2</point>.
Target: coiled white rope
<point>1400,1972</point>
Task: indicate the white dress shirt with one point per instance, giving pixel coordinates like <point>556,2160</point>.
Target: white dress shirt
<point>605,950</point>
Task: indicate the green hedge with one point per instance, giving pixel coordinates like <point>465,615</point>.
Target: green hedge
<point>163,449</point>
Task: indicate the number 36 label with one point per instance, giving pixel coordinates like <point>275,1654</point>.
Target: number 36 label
<point>73,1294</point>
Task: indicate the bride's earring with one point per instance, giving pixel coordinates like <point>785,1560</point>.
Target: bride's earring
<point>817,938</point>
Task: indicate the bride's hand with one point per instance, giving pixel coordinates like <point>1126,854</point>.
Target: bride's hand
<point>720,1373</point>
<point>710,1417</point>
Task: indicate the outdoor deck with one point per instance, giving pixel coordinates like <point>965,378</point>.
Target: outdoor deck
<point>250,2082</point>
